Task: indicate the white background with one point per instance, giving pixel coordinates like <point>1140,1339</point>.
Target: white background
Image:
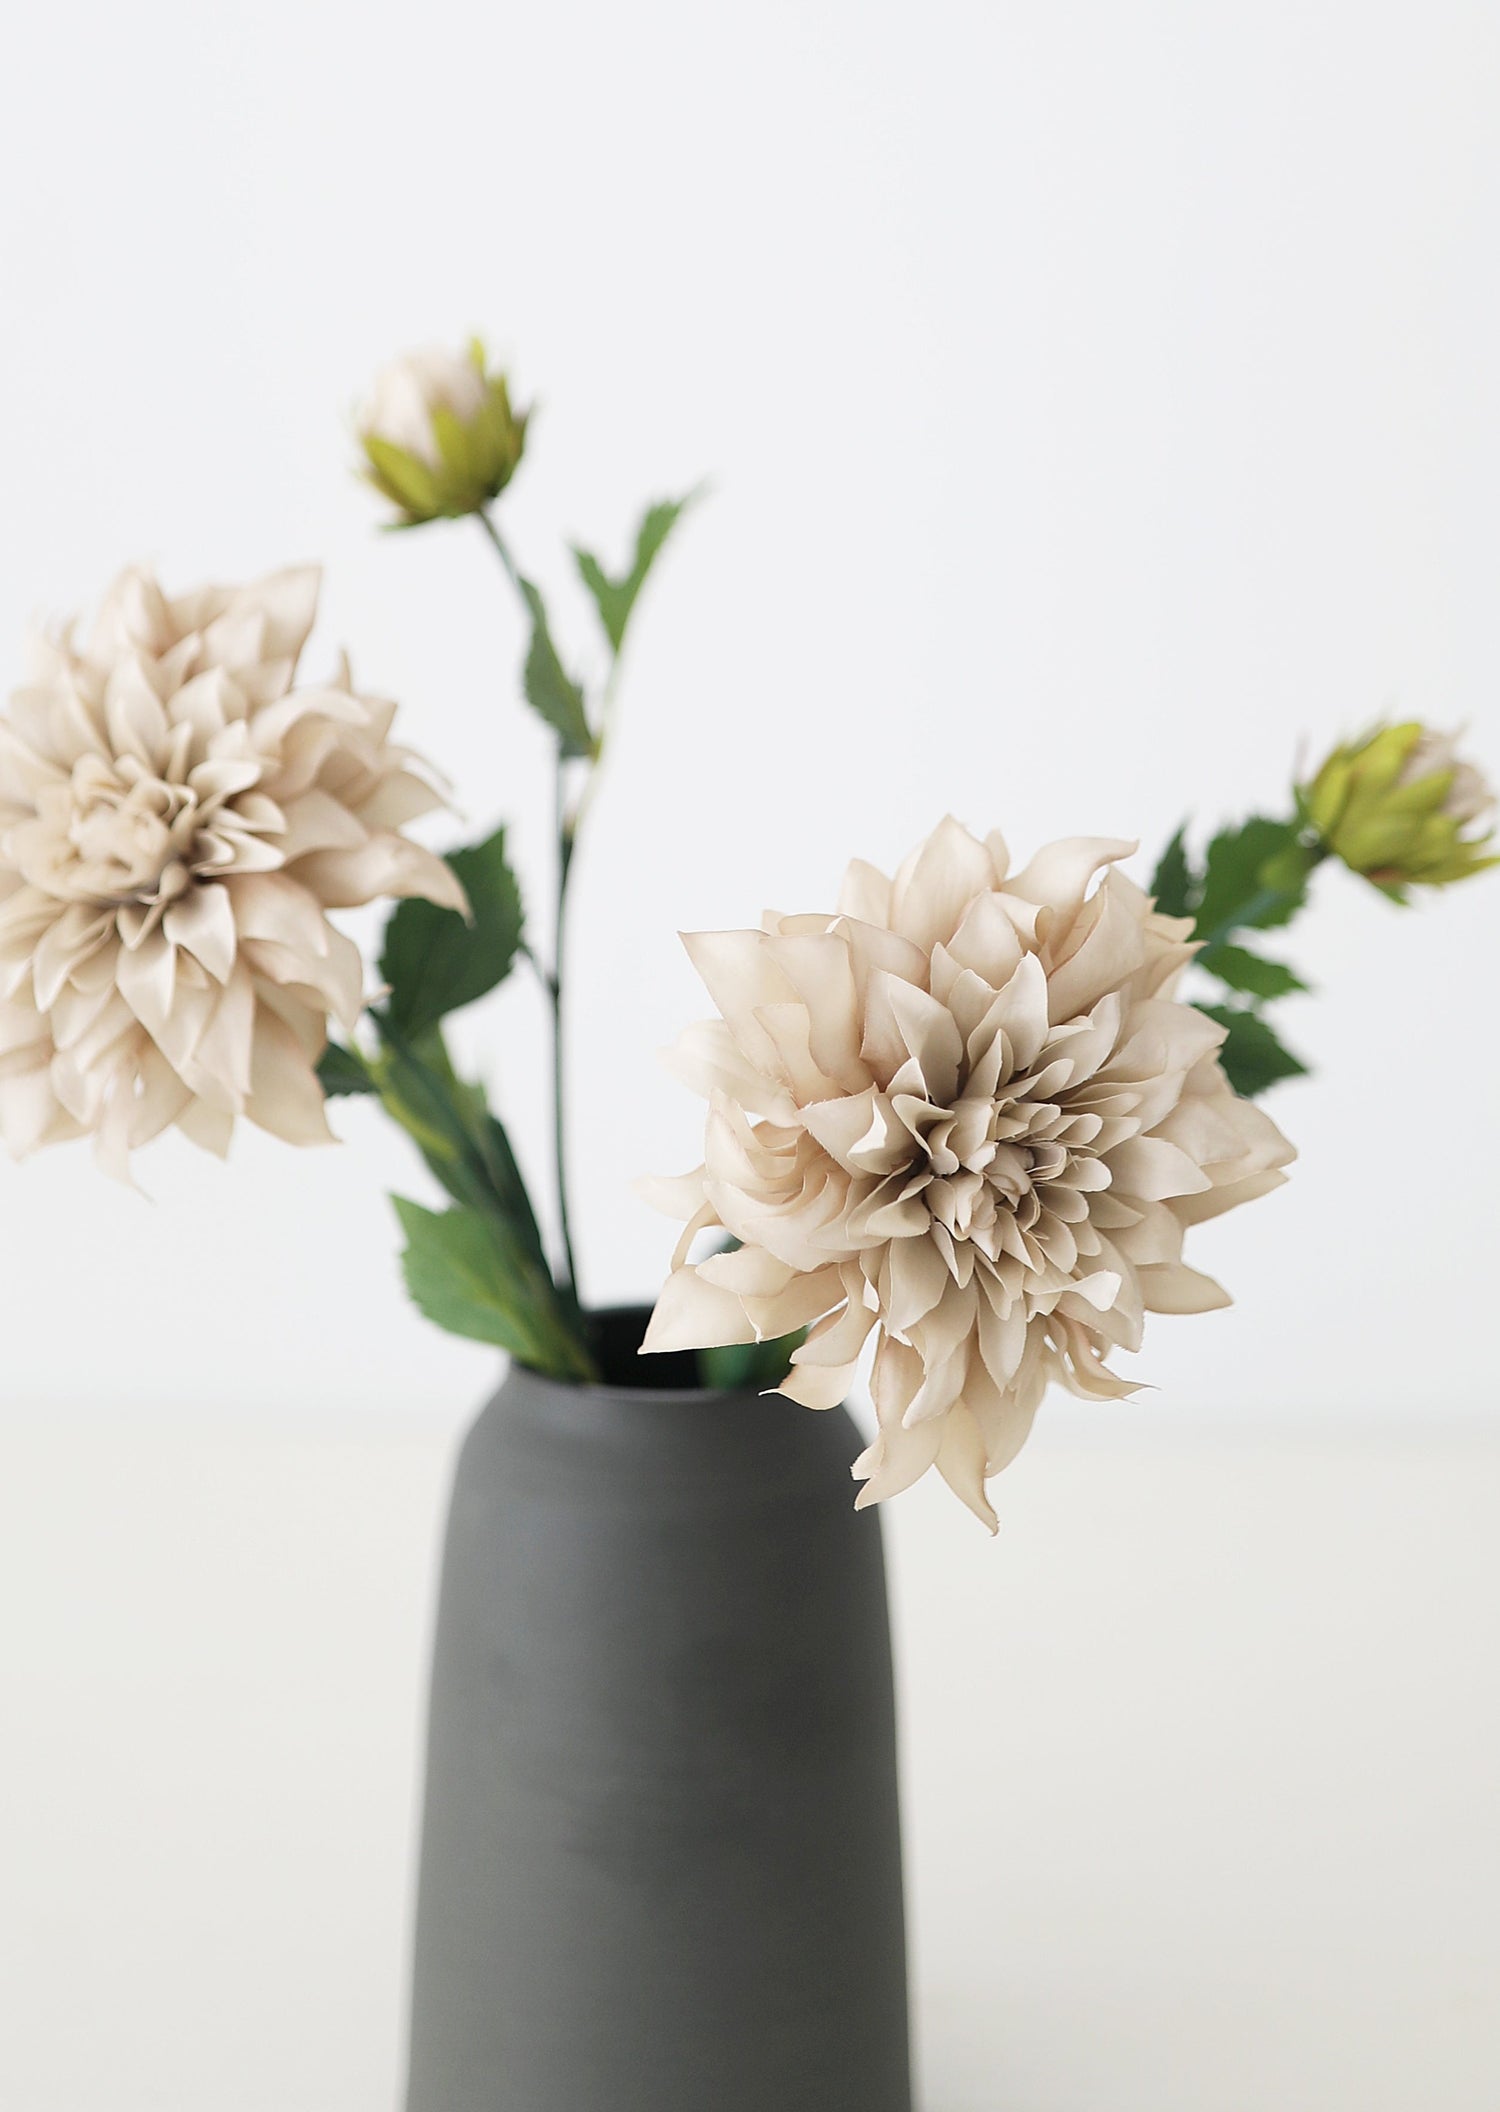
<point>1099,401</point>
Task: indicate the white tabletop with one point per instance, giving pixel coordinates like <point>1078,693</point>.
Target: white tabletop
<point>1200,1768</point>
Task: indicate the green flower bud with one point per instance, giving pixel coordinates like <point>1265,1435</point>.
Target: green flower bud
<point>439,436</point>
<point>1400,806</point>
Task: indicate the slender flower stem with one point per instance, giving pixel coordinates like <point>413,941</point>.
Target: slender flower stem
<point>566,832</point>
<point>566,839</point>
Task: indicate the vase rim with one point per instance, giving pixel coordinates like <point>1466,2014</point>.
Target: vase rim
<point>624,1319</point>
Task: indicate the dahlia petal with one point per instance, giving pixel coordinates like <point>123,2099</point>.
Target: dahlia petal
<point>202,923</point>
<point>386,865</point>
<point>1058,877</point>
<point>692,1314</point>
<point>961,1462</point>
<point>285,1096</point>
<point>814,1386</point>
<point>987,941</point>
<point>315,821</point>
<point>1171,1287</point>
<point>1153,1169</point>
<point>838,1338</point>
<point>931,892</point>
<point>865,894</point>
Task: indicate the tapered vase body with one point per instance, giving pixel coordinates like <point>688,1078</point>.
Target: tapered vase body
<point>660,1859</point>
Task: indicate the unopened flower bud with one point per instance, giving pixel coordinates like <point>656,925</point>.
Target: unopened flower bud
<point>439,436</point>
<point>1403,808</point>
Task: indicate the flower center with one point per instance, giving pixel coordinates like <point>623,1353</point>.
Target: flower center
<point>128,840</point>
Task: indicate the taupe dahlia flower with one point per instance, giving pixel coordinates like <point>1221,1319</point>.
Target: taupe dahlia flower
<point>177,816</point>
<point>967,1116</point>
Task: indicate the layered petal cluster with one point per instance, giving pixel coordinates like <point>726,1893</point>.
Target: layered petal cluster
<point>965,1116</point>
<point>177,816</point>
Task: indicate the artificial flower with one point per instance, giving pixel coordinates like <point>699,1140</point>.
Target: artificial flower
<point>1403,808</point>
<point>439,436</point>
<point>966,1116</point>
<point>177,816</point>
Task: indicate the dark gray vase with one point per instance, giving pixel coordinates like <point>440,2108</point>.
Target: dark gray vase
<point>661,1864</point>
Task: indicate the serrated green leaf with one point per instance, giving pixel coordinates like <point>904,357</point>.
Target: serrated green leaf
<point>1250,972</point>
<point>342,1071</point>
<point>1173,883</point>
<point>550,690</point>
<point>1252,1057</point>
<point>1255,877</point>
<point>436,961</point>
<point>616,598</point>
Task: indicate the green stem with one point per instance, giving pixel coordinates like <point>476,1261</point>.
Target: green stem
<point>566,830</point>
<point>566,839</point>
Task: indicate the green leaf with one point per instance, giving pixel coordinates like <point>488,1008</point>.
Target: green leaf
<point>342,1070</point>
<point>1173,883</point>
<point>550,690</point>
<point>1255,876</point>
<point>749,1367</point>
<point>615,598</point>
<point>465,1146</point>
<point>1252,1056</point>
<point>435,960</point>
<point>1250,972</point>
<point>461,1277</point>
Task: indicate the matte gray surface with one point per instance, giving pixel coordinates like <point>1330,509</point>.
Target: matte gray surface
<point>660,1858</point>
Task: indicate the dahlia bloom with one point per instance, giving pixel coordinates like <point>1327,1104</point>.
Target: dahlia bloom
<point>965,1116</point>
<point>177,816</point>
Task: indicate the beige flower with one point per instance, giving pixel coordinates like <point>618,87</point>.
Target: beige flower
<point>177,815</point>
<point>964,1115</point>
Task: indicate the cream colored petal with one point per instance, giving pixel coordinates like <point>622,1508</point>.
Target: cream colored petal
<point>837,1339</point>
<point>386,865</point>
<point>895,1461</point>
<point>1005,1418</point>
<point>748,1272</point>
<point>1106,959</point>
<point>740,973</point>
<point>815,1386</point>
<point>1173,1288</point>
<point>935,887</point>
<point>708,1059</point>
<point>285,1096</point>
<point>692,1314</point>
<point>861,1132</point>
<point>806,1298</point>
<point>210,1128</point>
<point>202,923</point>
<point>866,894</point>
<point>820,971</point>
<point>317,822</point>
<point>961,1462</point>
<point>675,1195</point>
<point>1153,1169</point>
<point>902,1021</point>
<point>789,1031</point>
<point>1059,875</point>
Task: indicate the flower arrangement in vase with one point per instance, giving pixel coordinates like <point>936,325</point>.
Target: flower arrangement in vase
<point>959,1125</point>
